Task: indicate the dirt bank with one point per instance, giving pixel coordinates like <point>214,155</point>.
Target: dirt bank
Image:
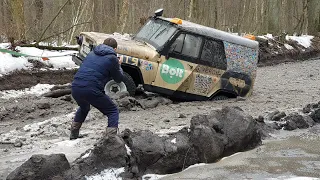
<point>28,78</point>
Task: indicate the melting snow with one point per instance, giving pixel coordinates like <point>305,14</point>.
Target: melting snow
<point>152,176</point>
<point>63,61</point>
<point>9,63</point>
<point>303,40</point>
<point>270,36</point>
<point>35,90</point>
<point>288,46</point>
<point>86,155</point>
<point>107,174</point>
<point>128,150</point>
<point>57,59</point>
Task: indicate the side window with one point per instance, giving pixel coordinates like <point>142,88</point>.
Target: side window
<point>186,47</point>
<point>213,54</point>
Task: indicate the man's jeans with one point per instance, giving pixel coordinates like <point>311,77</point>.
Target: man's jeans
<point>86,96</point>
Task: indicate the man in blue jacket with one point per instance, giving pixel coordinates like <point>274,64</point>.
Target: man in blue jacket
<point>100,66</point>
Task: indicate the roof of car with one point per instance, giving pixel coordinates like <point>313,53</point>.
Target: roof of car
<point>214,33</point>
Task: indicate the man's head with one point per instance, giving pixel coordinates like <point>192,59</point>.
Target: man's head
<point>111,42</point>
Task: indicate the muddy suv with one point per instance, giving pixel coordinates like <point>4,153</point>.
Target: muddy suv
<point>181,59</point>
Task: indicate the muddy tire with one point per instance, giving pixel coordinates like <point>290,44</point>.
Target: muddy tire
<point>130,84</point>
<point>126,85</point>
<point>219,98</point>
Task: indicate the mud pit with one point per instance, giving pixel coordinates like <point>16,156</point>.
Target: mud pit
<point>285,87</point>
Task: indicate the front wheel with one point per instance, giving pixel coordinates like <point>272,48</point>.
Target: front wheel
<point>127,84</point>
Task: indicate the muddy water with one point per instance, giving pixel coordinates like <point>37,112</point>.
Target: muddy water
<point>287,155</point>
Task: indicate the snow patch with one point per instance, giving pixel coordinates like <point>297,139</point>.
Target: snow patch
<point>263,37</point>
<point>152,176</point>
<point>9,63</point>
<point>270,36</point>
<point>4,45</point>
<point>63,61</point>
<point>128,150</point>
<point>173,129</point>
<point>288,46</point>
<point>86,155</point>
<point>107,174</point>
<point>196,165</point>
<point>303,40</point>
<point>35,90</point>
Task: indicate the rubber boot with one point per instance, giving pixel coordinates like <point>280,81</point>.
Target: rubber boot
<point>111,131</point>
<point>75,128</point>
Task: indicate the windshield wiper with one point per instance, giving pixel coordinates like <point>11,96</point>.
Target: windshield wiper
<point>161,32</point>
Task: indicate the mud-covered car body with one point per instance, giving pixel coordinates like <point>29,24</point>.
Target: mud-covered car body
<point>183,59</point>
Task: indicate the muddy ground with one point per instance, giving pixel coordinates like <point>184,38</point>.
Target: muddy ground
<point>31,125</point>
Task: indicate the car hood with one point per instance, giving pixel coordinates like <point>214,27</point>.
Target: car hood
<point>126,45</point>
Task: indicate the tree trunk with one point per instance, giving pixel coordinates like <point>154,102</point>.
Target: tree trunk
<point>124,15</point>
<point>313,16</point>
<point>191,6</point>
<point>39,15</point>
<point>17,12</point>
<point>273,16</point>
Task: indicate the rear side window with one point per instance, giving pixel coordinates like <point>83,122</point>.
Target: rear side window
<point>213,54</point>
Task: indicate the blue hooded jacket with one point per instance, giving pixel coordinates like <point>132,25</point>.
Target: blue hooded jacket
<point>100,66</point>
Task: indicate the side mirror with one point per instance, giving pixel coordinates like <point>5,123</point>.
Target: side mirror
<point>158,12</point>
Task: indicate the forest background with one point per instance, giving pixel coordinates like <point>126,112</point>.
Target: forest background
<point>59,21</point>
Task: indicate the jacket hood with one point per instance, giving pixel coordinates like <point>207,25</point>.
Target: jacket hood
<point>102,50</point>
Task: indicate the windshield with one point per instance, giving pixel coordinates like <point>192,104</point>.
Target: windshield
<point>156,32</point>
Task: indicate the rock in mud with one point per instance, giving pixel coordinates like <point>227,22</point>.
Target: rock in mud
<point>278,116</point>
<point>154,154</point>
<point>107,152</point>
<point>211,137</point>
<point>40,167</point>
<point>43,105</point>
<point>297,121</point>
<point>315,115</point>
<point>240,129</point>
<point>270,115</point>
<point>182,116</point>
<point>18,143</point>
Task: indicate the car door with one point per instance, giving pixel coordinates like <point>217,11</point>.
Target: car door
<point>176,68</point>
<point>211,65</point>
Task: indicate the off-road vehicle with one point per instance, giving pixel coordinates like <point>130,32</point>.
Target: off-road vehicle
<point>181,59</point>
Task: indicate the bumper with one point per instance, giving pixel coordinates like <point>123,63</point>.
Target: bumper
<point>77,60</point>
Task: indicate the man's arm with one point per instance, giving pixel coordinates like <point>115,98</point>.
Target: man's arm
<point>116,70</point>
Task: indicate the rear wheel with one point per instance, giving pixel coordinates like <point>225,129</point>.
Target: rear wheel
<point>127,84</point>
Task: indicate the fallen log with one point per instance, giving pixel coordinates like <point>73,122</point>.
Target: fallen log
<point>57,93</point>
<point>50,47</point>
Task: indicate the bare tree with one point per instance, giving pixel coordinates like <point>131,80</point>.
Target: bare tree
<point>124,15</point>
<point>313,16</point>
